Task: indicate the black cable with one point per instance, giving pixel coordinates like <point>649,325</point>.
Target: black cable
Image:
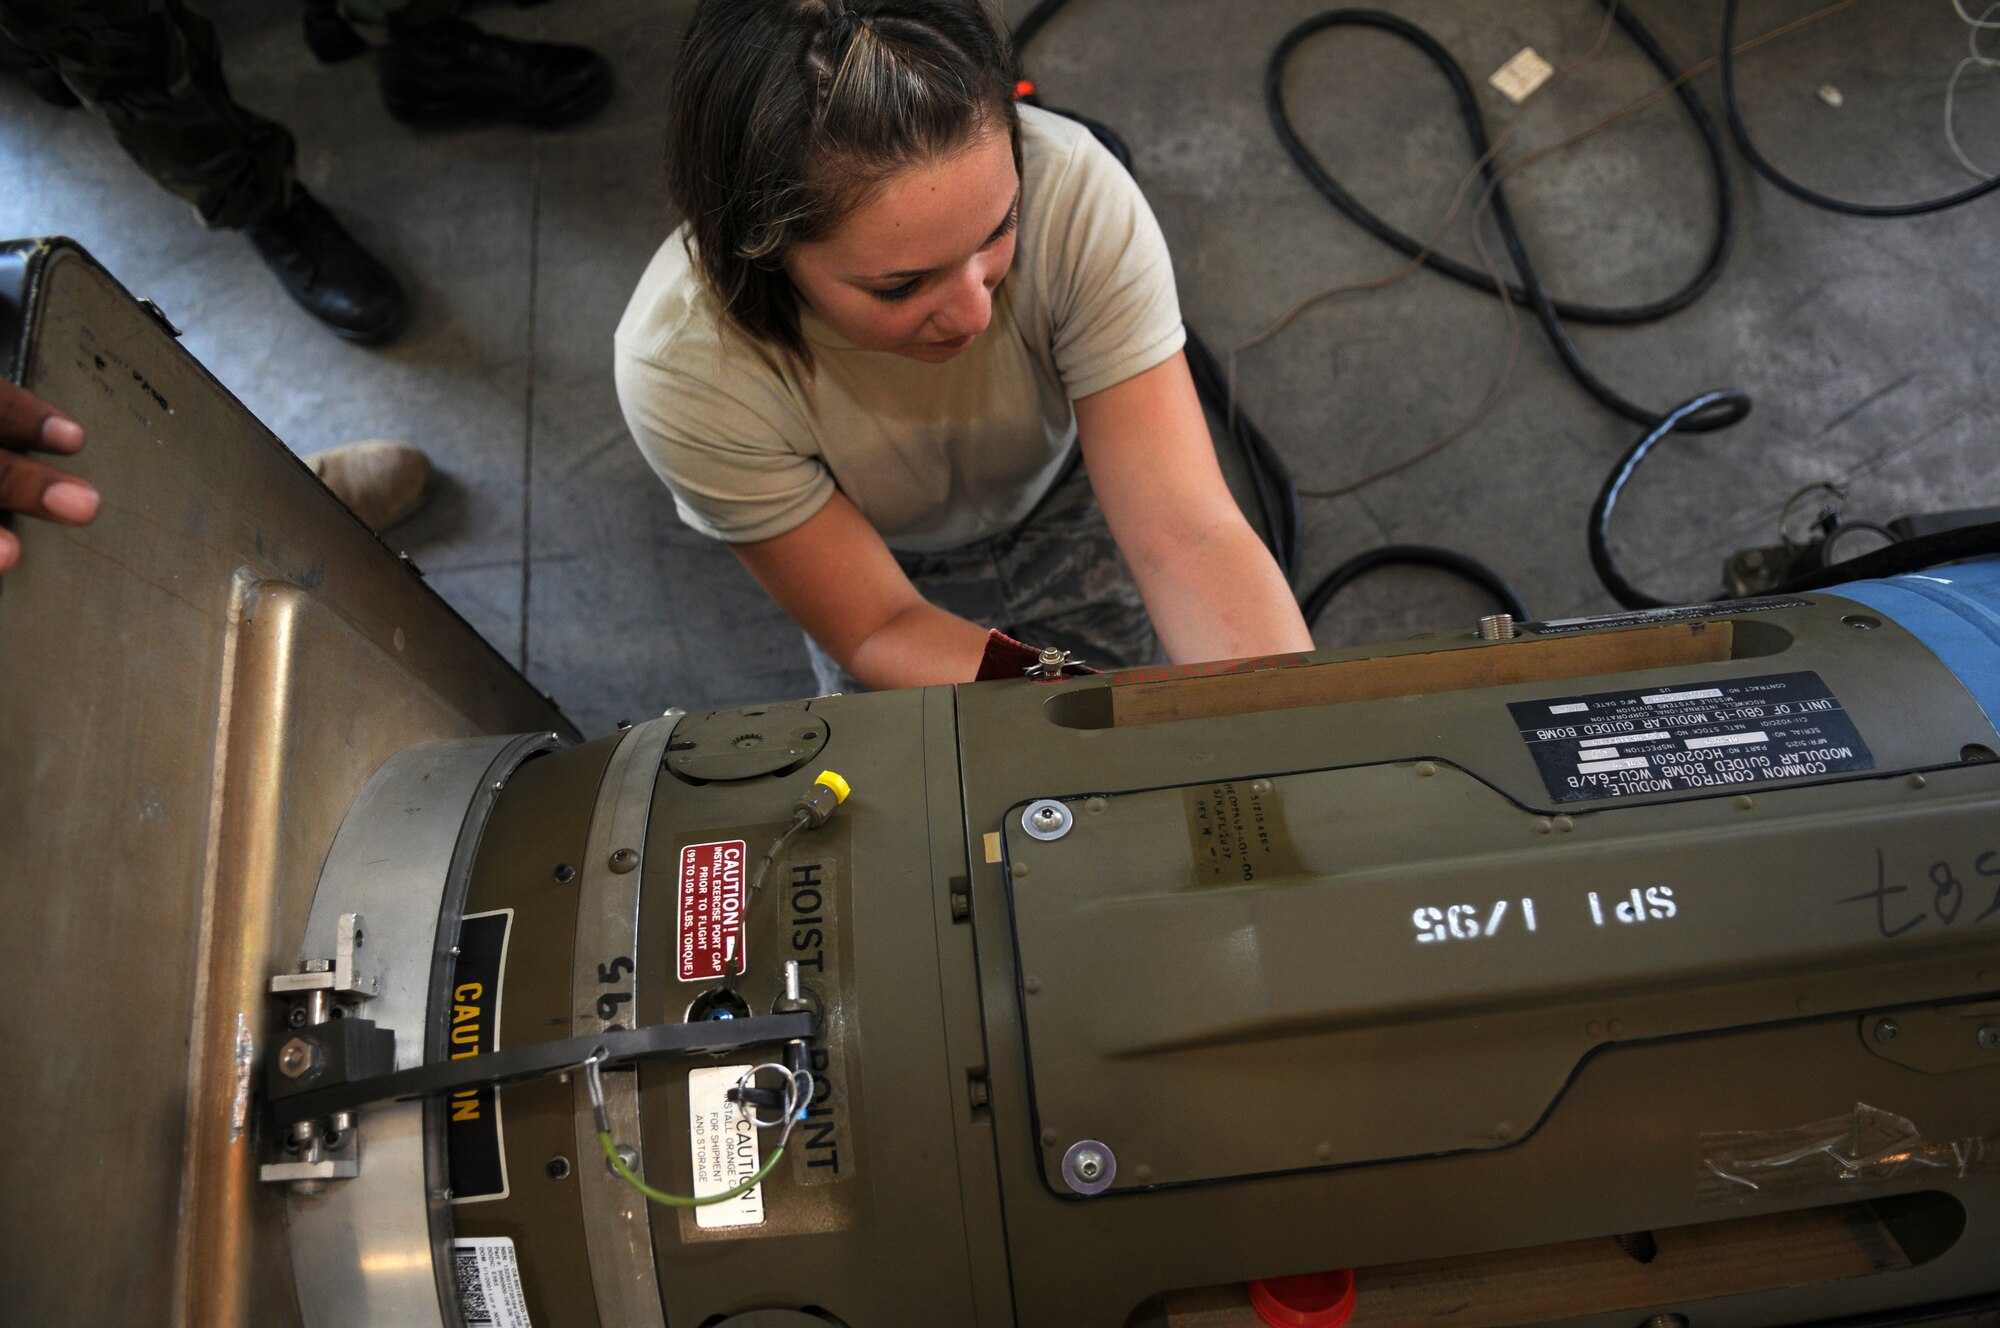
<point>1479,278</point>
<point>1423,555</point>
<point>1728,407</point>
<point>1760,164</point>
<point>1271,483</point>
<point>1531,291</point>
<point>1910,555</point>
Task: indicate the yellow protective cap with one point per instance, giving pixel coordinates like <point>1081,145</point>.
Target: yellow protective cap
<point>834,782</point>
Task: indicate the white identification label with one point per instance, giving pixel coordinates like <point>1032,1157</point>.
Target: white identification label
<point>725,1150</point>
<point>489,1283</point>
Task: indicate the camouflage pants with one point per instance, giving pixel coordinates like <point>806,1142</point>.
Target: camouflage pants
<point>1057,579</point>
<point>152,71</point>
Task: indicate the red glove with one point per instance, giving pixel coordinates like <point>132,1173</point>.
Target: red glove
<point>1007,658</point>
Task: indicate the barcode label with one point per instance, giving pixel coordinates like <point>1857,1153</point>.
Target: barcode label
<point>489,1283</point>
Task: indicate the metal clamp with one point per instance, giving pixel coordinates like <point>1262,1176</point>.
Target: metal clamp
<point>341,976</point>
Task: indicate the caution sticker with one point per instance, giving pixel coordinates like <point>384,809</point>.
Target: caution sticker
<point>1699,735</point>
<point>709,941</point>
<point>474,1149</point>
<point>723,1140</point>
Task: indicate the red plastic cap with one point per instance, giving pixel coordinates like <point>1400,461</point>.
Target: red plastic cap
<point>1024,89</point>
<point>1310,1300</point>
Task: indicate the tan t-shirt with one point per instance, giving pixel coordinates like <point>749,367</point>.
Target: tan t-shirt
<point>936,456</point>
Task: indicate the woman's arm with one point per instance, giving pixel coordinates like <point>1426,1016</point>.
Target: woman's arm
<point>839,582</point>
<point>1210,586</point>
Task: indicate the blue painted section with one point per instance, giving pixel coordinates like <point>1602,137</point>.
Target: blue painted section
<point>1953,610</point>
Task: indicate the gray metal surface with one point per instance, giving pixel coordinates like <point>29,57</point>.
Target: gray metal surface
<point>258,655</point>
<point>362,1252</point>
<point>616,1221</point>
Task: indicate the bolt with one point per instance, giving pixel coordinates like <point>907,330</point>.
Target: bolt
<point>296,1058</point>
<point>1089,1164</point>
<point>627,1155</point>
<point>1989,1037</point>
<point>1886,1030</point>
<point>297,1017</point>
<point>1048,818</point>
<point>623,860</point>
<point>1497,627</point>
<point>558,1168</point>
<point>792,980</point>
<point>316,966</point>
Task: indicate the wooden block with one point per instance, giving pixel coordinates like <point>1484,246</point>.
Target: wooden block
<point>1515,1287</point>
<point>1500,664</point>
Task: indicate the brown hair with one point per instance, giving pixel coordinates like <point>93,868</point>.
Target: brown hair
<point>786,114</point>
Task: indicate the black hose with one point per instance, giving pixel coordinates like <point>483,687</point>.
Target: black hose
<point>1548,311</point>
<point>1760,164</point>
<point>1334,193</point>
<point>1422,555</point>
<point>1271,483</point>
<point>1728,407</point>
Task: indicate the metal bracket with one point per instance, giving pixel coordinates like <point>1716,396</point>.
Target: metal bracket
<point>1937,1039</point>
<point>342,977</point>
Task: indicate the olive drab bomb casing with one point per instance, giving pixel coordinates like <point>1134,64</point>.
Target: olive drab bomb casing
<point>1622,967</point>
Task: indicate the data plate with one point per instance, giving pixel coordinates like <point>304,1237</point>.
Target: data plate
<point>1703,735</point>
<point>489,1283</point>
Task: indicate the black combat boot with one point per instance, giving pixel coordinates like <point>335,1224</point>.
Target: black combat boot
<point>331,276</point>
<point>449,71</point>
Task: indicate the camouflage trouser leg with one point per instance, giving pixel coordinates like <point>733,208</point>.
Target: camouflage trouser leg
<point>1056,579</point>
<point>151,69</point>
<point>379,19</point>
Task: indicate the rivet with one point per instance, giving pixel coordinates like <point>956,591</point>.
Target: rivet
<point>1917,779</point>
<point>1543,825</point>
<point>1142,1172</point>
<point>1260,786</point>
<point>1049,1138</point>
<point>1094,805</point>
<point>1615,1027</point>
<point>1426,769</point>
<point>1565,824</point>
<point>1744,802</point>
<point>1593,1029</point>
<point>1020,870</point>
<point>1323,1151</point>
<point>1031,985</point>
<point>1886,1030</point>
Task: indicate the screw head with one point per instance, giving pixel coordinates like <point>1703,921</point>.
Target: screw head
<point>1989,1037</point>
<point>1046,819</point>
<point>558,1168</point>
<point>1886,1030</point>
<point>623,860</point>
<point>297,1017</point>
<point>1089,1167</point>
<point>565,873</point>
<point>296,1058</point>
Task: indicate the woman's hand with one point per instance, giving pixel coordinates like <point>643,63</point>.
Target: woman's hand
<point>29,424</point>
<point>839,582</point>
<point>1210,585</point>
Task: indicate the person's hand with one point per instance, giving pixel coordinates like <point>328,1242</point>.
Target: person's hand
<point>27,423</point>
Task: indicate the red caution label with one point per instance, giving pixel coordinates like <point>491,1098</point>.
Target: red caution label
<point>710,938</point>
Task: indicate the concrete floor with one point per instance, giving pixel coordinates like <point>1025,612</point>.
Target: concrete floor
<point>1870,346</point>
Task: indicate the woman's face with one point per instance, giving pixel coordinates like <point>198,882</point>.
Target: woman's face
<point>912,270</point>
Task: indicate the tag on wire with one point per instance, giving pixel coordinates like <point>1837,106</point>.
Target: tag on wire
<point>1520,76</point>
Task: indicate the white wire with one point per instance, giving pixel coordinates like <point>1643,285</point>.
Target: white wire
<point>1978,57</point>
<point>797,1095</point>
